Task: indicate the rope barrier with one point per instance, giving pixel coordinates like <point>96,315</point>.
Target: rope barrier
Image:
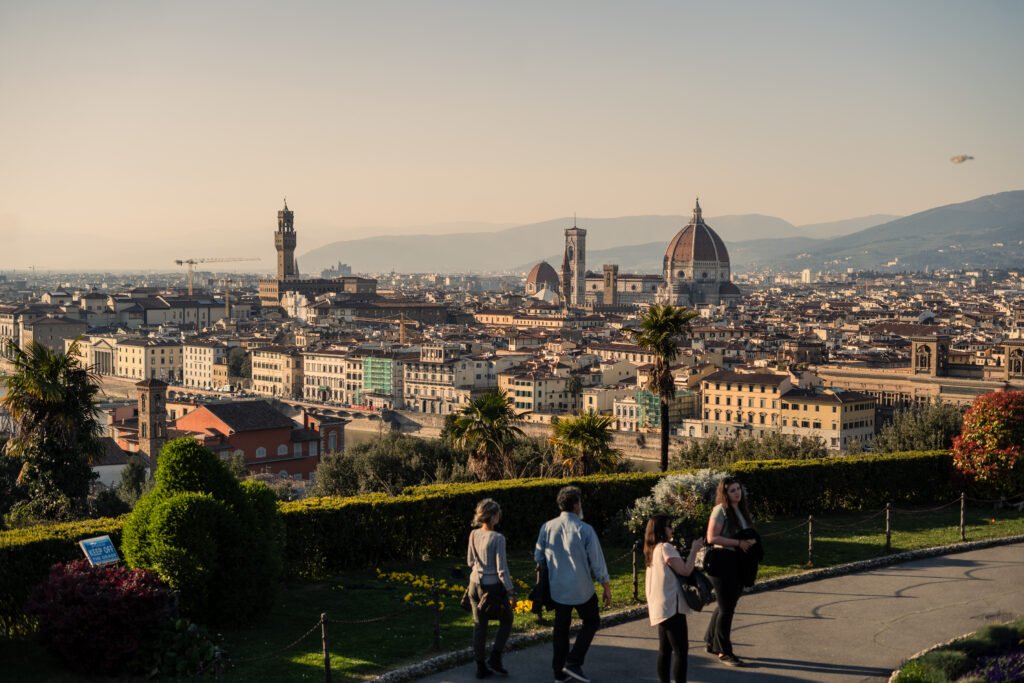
<point>922,512</point>
<point>830,525</point>
<point>995,500</point>
<point>356,622</point>
<point>274,653</point>
<point>801,525</point>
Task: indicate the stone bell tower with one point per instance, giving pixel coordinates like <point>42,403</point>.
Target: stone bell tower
<point>152,419</point>
<point>574,266</point>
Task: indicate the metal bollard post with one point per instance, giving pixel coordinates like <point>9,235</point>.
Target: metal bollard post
<point>636,574</point>
<point>888,527</point>
<point>810,540</point>
<point>327,652</point>
<point>963,527</point>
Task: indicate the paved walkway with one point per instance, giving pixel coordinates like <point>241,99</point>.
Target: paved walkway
<point>851,628</point>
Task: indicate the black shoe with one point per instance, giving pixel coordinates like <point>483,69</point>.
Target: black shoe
<point>731,660</point>
<point>494,664</point>
<point>575,671</point>
<point>561,677</point>
<point>482,671</point>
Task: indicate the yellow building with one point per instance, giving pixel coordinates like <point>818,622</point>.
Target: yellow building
<point>277,371</point>
<point>742,403</point>
<point>837,417</point>
<point>149,359</point>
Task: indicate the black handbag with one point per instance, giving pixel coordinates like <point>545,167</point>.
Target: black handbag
<point>697,590</point>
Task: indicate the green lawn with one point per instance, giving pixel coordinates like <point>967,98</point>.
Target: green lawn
<point>359,651</point>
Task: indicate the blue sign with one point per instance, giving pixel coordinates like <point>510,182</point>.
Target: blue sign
<point>100,551</point>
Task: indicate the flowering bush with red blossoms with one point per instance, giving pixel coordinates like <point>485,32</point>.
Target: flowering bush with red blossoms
<point>990,449</point>
<point>101,620</point>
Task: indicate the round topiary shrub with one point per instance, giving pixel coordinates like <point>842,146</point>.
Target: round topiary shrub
<point>219,543</point>
<point>101,620</point>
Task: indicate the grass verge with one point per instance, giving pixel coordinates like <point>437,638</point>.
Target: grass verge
<point>404,633</point>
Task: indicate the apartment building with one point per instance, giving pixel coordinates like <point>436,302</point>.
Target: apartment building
<point>277,371</point>
<point>199,358</point>
<point>641,410</point>
<point>324,375</point>
<point>538,392</point>
<point>445,378</point>
<point>742,403</point>
<point>148,359</point>
<point>836,417</point>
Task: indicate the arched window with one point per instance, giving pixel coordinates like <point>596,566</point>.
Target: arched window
<point>924,358</point>
<point>1017,362</point>
<point>261,452</point>
<point>282,449</point>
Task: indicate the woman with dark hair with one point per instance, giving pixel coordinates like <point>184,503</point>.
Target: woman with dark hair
<point>486,555</point>
<point>665,603</point>
<point>729,518</point>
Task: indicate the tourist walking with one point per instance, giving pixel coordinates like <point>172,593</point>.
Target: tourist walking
<point>666,605</point>
<point>572,553</point>
<point>729,518</point>
<point>487,557</point>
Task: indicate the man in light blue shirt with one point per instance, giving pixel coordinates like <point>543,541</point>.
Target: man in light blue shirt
<point>572,553</point>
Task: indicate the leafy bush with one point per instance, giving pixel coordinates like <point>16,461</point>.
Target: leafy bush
<point>990,449</point>
<point>688,498</point>
<point>991,654</point>
<point>184,650</point>
<point>716,451</point>
<point>100,620</point>
<point>216,541</point>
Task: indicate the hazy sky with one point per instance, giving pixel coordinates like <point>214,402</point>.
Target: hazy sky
<point>133,133</point>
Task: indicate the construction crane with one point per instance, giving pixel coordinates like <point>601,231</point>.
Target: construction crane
<point>193,261</point>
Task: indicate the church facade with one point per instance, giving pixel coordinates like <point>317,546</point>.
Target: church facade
<point>695,272</point>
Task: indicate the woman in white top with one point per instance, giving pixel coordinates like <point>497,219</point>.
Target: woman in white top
<point>665,602</point>
<point>486,555</point>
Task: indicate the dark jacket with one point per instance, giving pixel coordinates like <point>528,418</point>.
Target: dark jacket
<point>750,560</point>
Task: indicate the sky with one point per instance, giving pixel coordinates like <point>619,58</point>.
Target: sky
<point>135,133</point>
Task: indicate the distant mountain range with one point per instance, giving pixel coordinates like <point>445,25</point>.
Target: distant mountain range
<point>987,232</point>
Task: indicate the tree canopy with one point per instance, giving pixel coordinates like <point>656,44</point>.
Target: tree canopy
<point>662,329</point>
<point>51,399</point>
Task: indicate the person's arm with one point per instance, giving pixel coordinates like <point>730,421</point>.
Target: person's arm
<point>598,568</point>
<point>538,549</point>
<point>685,568</point>
<point>716,527</point>
<point>501,564</point>
<point>469,550</point>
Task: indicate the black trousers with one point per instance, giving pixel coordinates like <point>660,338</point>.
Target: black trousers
<point>480,623</point>
<point>728,590</point>
<point>673,648</point>
<point>590,614</point>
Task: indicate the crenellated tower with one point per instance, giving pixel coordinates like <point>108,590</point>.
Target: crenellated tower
<point>284,241</point>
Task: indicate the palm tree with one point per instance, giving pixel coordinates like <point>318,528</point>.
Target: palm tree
<point>584,443</point>
<point>661,329</point>
<point>486,428</point>
<point>51,399</point>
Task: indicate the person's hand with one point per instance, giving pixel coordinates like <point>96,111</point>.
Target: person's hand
<point>746,544</point>
<point>607,595</point>
<point>697,544</point>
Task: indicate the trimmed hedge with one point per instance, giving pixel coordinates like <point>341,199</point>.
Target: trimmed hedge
<point>328,534</point>
<point>26,556</point>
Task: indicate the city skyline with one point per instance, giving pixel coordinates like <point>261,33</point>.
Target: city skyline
<point>137,135</point>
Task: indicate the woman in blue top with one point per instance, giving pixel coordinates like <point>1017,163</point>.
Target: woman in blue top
<point>728,518</point>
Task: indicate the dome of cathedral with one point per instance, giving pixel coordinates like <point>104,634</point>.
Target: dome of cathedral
<point>696,242</point>
<point>542,276</point>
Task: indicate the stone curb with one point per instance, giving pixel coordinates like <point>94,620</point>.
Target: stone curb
<point>922,653</point>
<point>538,635</point>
